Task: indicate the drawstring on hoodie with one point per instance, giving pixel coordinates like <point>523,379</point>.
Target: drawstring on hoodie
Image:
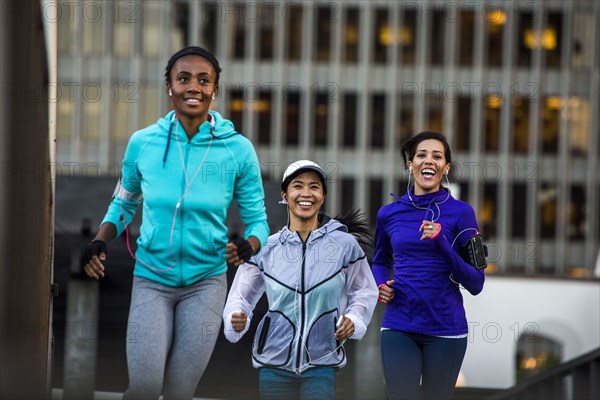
<point>212,133</point>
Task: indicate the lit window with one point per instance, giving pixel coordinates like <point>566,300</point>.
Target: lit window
<point>352,35</point>
<point>262,106</point>
<point>536,353</point>
<point>382,36</point>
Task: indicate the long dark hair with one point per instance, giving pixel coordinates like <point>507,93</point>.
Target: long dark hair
<point>409,147</point>
<point>358,226</point>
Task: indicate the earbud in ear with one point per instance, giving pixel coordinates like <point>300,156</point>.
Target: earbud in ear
<point>213,96</point>
<point>409,169</point>
<point>170,92</point>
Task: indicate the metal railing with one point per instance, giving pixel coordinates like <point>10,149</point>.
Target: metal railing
<point>576,379</point>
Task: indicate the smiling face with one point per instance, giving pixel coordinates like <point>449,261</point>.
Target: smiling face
<point>304,196</point>
<point>429,166</point>
<point>192,86</point>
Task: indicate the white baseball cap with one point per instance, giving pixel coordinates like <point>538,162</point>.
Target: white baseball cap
<point>300,166</point>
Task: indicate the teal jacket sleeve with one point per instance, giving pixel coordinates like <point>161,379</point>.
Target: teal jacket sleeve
<point>250,196</point>
<point>127,196</point>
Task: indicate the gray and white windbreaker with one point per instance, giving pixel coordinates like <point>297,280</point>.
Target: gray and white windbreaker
<point>308,286</point>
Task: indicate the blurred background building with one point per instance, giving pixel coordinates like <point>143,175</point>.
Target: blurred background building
<point>513,84</point>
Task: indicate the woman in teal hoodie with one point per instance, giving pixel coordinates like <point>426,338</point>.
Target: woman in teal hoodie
<point>184,170</point>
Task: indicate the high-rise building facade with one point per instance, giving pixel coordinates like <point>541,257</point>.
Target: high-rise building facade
<point>513,84</point>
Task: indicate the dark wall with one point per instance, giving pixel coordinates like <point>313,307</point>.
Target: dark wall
<point>25,204</point>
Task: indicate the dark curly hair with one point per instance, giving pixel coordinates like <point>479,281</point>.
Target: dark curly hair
<point>409,147</point>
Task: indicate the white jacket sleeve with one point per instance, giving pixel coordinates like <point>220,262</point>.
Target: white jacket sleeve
<point>362,294</point>
<point>246,289</point>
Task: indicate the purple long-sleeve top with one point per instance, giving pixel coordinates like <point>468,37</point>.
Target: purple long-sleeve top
<point>425,300</point>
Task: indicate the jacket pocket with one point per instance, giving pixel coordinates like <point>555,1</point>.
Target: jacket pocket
<point>321,345</point>
<point>274,340</point>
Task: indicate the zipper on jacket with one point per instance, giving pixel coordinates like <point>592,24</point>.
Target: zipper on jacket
<point>302,306</point>
<point>181,211</point>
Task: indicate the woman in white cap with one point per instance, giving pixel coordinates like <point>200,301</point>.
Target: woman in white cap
<point>319,287</point>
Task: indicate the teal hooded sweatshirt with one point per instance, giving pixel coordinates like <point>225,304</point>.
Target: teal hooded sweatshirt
<point>185,189</point>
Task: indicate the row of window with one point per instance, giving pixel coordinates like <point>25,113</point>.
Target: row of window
<point>576,111</point>
<point>550,113</point>
<point>391,28</point>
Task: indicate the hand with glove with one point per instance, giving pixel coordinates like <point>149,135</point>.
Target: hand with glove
<point>240,250</point>
<point>91,260</point>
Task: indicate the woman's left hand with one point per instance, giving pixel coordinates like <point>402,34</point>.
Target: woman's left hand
<point>345,330</point>
<point>430,229</point>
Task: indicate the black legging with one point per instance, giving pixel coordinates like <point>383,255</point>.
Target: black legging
<point>408,357</point>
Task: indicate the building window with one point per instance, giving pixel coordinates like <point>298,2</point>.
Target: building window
<point>293,18</point>
<point>490,205</point>
<point>547,207</point>
<point>520,124</point>
<point>347,197</point>
<point>495,21</point>
<point>351,34</point>
<point>463,123</point>
<point>402,186</point>
<point>436,38</point>
<point>119,126</point>
<point>322,37</point>
<point>576,216</point>
<point>262,106</point>
<point>377,132</point>
<point>292,117</point>
<point>239,34</point>
<point>583,43</point>
<point>519,210</point>
<point>408,37</point>
<point>526,41</point>
<point>434,109</point>
<point>491,121</point>
<point>236,108</point>
<point>579,116</point>
<point>93,27</point>
<point>536,353</point>
<point>349,120</point>
<point>375,198</point>
<point>382,37</point>
<point>209,29</point>
<point>551,40</point>
<point>266,32</point>
<point>149,108</point>
<point>91,122</point>
<point>550,124</point>
<point>123,36</point>
<point>181,12</point>
<point>466,41</point>
<point>320,118</point>
<point>151,26</point>
<point>405,125</point>
<point>64,116</point>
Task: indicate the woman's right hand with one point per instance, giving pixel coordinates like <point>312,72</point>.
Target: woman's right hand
<point>238,321</point>
<point>386,292</point>
<point>93,255</point>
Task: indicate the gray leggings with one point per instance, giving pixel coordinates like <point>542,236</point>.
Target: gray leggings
<point>171,334</point>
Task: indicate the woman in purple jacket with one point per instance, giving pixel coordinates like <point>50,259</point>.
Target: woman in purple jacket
<point>419,274</point>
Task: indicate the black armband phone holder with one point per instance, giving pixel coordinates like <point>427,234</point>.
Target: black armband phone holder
<point>474,252</point>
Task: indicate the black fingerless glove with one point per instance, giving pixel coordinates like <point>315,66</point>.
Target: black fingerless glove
<point>93,249</point>
<point>244,249</point>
